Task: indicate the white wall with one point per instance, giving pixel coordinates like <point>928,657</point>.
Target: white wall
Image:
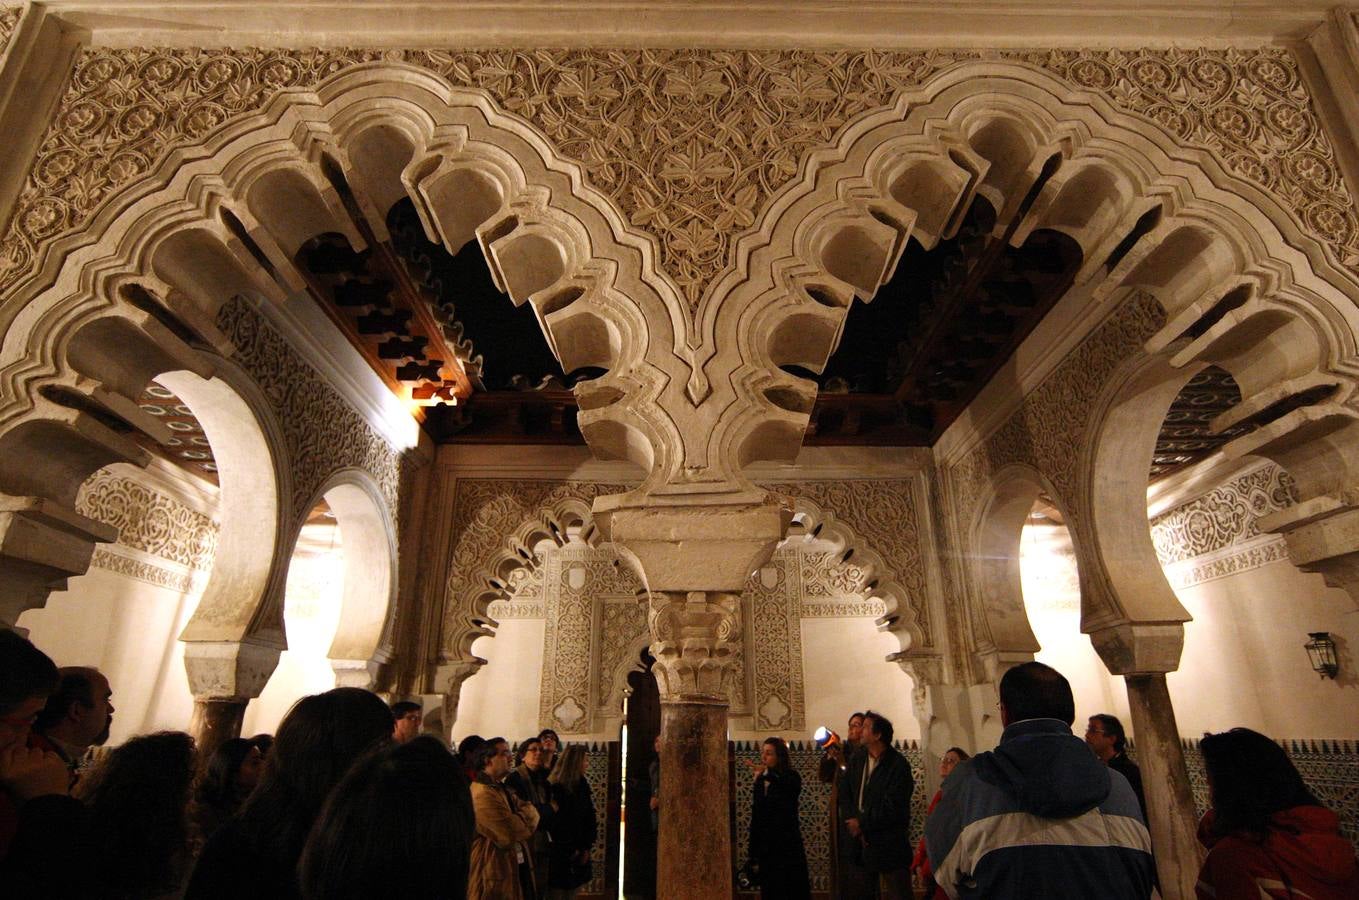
<point>127,629</point>
<point>311,613</point>
<point>1244,662</point>
<point>1052,600</point>
<point>845,670</point>
<point>502,698</point>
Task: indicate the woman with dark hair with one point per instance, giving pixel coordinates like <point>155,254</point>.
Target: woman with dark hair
<point>255,853</point>
<point>398,825</point>
<point>139,830</point>
<point>776,850</point>
<point>1266,834</point>
<point>573,828</point>
<point>231,774</point>
<point>920,864</point>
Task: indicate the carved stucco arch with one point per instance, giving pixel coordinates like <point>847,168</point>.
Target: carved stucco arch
<point>223,218</point>
<point>362,639</point>
<point>993,128</point>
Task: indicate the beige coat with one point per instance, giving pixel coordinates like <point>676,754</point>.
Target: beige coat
<point>504,824</point>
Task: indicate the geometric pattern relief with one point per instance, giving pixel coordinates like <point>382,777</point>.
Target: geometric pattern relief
<point>1329,768</point>
<point>690,144</point>
<point>1234,560</point>
<point>1223,517</point>
<point>832,589</point>
<point>322,431</point>
<point>149,521</point>
<point>813,803</point>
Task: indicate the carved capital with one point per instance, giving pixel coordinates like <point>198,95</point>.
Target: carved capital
<point>692,635</point>
<point>229,670</point>
<point>1140,648</point>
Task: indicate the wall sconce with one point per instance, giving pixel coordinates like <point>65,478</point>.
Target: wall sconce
<point>1321,650</point>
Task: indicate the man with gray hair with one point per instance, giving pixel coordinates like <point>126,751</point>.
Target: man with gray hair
<point>1039,816</point>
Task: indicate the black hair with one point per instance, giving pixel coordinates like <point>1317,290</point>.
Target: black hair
<point>1032,690</point>
<point>852,716</point>
<point>25,671</point>
<point>546,731</point>
<point>317,741</point>
<point>401,707</point>
<point>138,799</point>
<point>785,762</point>
<point>76,686</point>
<point>468,749</point>
<point>216,787</point>
<point>882,726</point>
<point>265,742</point>
<point>1251,778</point>
<point>522,749</point>
<point>959,752</point>
<point>486,752</point>
<point>1113,728</point>
<point>358,849</point>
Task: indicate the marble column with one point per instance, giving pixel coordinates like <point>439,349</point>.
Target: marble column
<point>1143,653</point>
<point>694,561</point>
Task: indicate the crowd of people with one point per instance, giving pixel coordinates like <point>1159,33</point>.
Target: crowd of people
<point>347,800</point>
<point>350,800</point>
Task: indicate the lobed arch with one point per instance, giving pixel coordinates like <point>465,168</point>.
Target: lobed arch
<point>1146,212</point>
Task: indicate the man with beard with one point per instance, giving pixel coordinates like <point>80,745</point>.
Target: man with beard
<point>77,717</point>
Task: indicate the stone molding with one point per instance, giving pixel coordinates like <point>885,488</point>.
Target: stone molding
<point>148,521</point>
<point>323,432</point>
<point>1235,560</point>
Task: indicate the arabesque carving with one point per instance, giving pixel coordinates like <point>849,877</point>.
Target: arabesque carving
<point>1223,517</point>
<point>141,570</point>
<point>690,144</point>
<point>323,432</point>
<point>149,521</point>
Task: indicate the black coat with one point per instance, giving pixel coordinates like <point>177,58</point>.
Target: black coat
<point>573,829</point>
<point>776,836</point>
<point>885,814</point>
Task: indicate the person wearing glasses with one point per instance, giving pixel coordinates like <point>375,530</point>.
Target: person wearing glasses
<point>1105,737</point>
<point>500,868</point>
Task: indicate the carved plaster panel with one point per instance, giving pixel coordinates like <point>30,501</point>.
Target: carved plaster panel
<point>831,589</point>
<point>885,515</point>
<point>1224,517</point>
<point>323,432</point>
<point>149,521</point>
<point>691,145</point>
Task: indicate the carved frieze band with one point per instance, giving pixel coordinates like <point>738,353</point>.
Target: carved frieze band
<point>149,521</point>
<point>1215,535</point>
<point>690,144</point>
<point>141,570</point>
<point>323,432</point>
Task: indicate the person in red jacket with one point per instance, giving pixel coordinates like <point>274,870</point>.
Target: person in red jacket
<point>921,873</point>
<point>1267,835</point>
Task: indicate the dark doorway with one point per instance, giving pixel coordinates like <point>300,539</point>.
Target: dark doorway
<point>639,837</point>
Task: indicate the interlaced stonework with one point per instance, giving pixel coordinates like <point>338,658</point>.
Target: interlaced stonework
<point>323,432</point>
<point>691,145</point>
<point>149,521</point>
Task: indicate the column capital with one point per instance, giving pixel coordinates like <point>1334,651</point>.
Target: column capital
<point>692,635</point>
<point>1140,648</point>
<point>229,670</point>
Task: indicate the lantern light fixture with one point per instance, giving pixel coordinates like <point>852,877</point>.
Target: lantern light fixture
<point>1321,651</point>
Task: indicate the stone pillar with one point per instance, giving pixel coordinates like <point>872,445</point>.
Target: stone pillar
<point>694,561</point>
<point>1143,653</point>
<point>224,677</point>
<point>448,681</point>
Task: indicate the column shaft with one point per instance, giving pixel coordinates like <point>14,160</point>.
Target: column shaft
<point>693,856</point>
<point>1170,804</point>
<point>215,721</point>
